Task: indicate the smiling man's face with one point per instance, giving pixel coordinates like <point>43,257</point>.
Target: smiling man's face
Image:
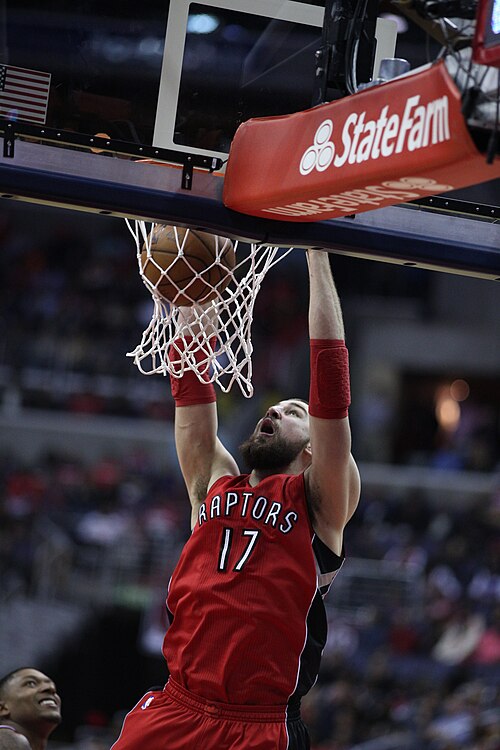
<point>29,698</point>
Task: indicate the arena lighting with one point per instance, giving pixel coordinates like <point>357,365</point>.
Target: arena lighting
<point>400,21</point>
<point>459,390</point>
<point>202,23</point>
<point>447,409</point>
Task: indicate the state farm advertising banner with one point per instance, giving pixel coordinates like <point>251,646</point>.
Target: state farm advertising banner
<point>389,144</point>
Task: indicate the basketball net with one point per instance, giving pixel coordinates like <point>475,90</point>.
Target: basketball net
<point>211,339</point>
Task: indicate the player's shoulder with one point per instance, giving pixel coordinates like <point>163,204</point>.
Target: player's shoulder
<point>12,740</point>
<point>295,481</point>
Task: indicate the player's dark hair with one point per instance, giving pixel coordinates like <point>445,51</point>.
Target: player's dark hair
<point>4,681</point>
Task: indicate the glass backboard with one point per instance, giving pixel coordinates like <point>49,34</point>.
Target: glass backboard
<point>170,82</point>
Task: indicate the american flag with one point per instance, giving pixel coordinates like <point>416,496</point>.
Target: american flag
<point>24,94</point>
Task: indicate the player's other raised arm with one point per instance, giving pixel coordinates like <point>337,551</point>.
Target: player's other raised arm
<point>202,456</point>
<point>332,479</point>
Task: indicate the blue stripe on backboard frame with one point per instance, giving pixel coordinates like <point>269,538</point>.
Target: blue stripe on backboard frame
<point>407,235</point>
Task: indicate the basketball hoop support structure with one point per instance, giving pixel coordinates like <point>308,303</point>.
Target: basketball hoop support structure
<point>332,59</point>
<point>396,142</point>
<point>438,233</point>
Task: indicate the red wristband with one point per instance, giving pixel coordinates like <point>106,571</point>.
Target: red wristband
<point>188,390</point>
<point>329,391</point>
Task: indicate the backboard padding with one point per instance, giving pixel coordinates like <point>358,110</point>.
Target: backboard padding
<point>120,187</point>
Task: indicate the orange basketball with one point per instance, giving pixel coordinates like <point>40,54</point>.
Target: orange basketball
<point>193,273</point>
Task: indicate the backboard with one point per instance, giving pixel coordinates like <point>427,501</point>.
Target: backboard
<point>178,75</point>
<point>171,84</point>
<point>226,61</point>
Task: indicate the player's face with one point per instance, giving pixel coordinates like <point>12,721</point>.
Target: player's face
<point>289,419</point>
<point>279,436</point>
<point>30,698</point>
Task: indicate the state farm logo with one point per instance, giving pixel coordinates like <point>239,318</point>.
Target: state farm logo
<point>320,155</point>
<point>363,139</point>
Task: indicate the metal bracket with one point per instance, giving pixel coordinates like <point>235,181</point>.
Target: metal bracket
<point>342,27</point>
<point>9,138</point>
<point>187,174</point>
<point>451,205</point>
<point>110,146</point>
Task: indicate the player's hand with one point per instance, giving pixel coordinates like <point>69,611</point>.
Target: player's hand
<point>198,320</point>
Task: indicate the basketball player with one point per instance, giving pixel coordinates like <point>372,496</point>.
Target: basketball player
<point>245,602</point>
<point>30,710</point>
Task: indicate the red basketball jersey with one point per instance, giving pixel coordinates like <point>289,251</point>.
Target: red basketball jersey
<point>245,601</point>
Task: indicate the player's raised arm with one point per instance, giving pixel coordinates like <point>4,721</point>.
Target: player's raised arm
<point>202,457</point>
<point>332,479</point>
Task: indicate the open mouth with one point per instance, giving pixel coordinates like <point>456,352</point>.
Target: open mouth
<point>267,426</point>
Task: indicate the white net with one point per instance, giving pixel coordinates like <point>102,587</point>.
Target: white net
<point>203,304</point>
<point>479,84</point>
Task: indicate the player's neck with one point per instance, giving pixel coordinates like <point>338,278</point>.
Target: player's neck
<point>37,741</point>
<point>257,475</point>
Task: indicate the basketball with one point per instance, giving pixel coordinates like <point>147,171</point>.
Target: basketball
<point>194,273</point>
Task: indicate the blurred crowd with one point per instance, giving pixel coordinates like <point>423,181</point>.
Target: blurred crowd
<point>111,505</point>
<point>72,305</point>
<point>428,668</point>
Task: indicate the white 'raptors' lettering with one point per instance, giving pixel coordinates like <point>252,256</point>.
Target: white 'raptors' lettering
<point>259,508</point>
<point>246,498</point>
<point>420,126</point>
<point>231,499</point>
<point>290,518</point>
<point>272,516</point>
<point>246,504</point>
<point>215,507</point>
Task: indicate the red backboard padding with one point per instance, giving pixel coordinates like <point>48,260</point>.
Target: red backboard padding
<point>393,143</point>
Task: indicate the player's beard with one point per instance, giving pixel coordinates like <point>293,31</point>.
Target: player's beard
<point>270,453</point>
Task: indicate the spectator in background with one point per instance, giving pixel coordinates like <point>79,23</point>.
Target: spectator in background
<point>488,649</point>
<point>460,637</point>
<point>30,710</point>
